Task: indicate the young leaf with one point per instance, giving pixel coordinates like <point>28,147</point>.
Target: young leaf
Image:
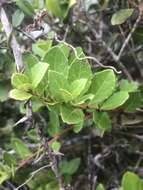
<point>71,115</point>
<point>56,146</point>
<point>58,86</point>
<point>102,120</point>
<point>41,47</point>
<point>115,101</point>
<point>37,73</point>
<point>19,95</point>
<point>77,87</point>
<point>131,181</point>
<point>102,86</point>
<point>57,60</point>
<point>83,99</point>
<point>18,80</point>
<point>20,148</point>
<point>5,173</point>
<point>100,187</point>
<point>121,16</point>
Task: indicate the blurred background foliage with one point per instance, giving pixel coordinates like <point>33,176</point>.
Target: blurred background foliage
<point>85,159</point>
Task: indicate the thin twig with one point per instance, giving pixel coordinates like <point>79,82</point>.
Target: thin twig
<point>16,51</point>
<point>31,157</point>
<point>13,42</point>
<point>130,35</point>
<point>115,58</point>
<point>86,57</point>
<point>32,176</point>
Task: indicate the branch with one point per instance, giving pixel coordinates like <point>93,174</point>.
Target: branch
<point>31,157</point>
<point>13,42</point>
<point>130,35</point>
<point>87,57</point>
<point>32,175</point>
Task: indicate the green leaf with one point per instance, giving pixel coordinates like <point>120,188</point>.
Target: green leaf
<point>9,159</point>
<point>17,18</point>
<point>37,73</point>
<point>102,120</point>
<point>5,87</point>
<point>115,101</point>
<point>29,60</point>
<point>102,86</point>
<point>78,127</point>
<point>83,99</point>
<point>71,115</point>
<point>121,16</point>
<point>20,81</point>
<point>77,87</point>
<point>127,86</point>
<point>54,125</point>
<point>65,49</point>
<point>41,47</point>
<point>131,181</point>
<point>79,69</point>
<point>70,167</point>
<point>5,173</point>
<point>19,95</point>
<point>54,7</point>
<point>36,104</point>
<point>21,149</point>
<point>56,146</point>
<point>25,6</point>
<point>134,102</point>
<point>57,60</point>
<point>100,187</point>
<point>58,86</point>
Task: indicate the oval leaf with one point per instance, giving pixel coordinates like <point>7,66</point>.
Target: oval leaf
<point>57,60</point>
<point>59,86</point>
<point>116,100</point>
<point>37,73</point>
<point>102,86</point>
<point>131,181</point>
<point>21,149</point>
<point>100,187</point>
<point>102,120</point>
<point>18,80</point>
<point>77,87</point>
<point>19,95</point>
<point>121,16</point>
<point>70,115</point>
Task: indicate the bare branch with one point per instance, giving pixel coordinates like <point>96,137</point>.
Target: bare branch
<point>129,35</point>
